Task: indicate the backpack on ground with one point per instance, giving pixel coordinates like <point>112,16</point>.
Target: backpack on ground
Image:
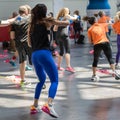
<point>81,39</point>
<point>5,45</point>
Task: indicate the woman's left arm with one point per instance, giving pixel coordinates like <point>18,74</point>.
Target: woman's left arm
<point>61,23</point>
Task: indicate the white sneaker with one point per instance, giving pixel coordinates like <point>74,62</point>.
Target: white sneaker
<point>95,78</point>
<point>25,83</point>
<point>117,66</point>
<point>49,109</point>
<point>117,76</point>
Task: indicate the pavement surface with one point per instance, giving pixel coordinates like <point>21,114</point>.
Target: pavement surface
<point>78,98</point>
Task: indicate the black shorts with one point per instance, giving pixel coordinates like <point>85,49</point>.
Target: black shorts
<point>24,50</point>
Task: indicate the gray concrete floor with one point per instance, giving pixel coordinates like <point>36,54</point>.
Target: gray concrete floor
<point>78,98</point>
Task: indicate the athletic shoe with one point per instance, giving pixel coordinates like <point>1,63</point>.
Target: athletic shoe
<point>49,110</point>
<point>117,76</point>
<point>12,63</point>
<point>117,66</point>
<point>11,51</point>
<point>24,84</point>
<point>95,78</point>
<point>101,58</point>
<point>27,68</point>
<point>70,69</point>
<point>55,53</point>
<point>61,69</point>
<point>44,86</point>
<point>34,110</point>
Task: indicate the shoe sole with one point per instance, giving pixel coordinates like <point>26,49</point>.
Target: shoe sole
<point>70,71</point>
<point>61,69</point>
<point>117,78</point>
<point>24,86</point>
<point>94,80</point>
<point>35,112</point>
<point>28,69</point>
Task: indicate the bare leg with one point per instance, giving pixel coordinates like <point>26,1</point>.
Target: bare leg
<point>67,57</point>
<point>59,60</point>
<point>94,70</point>
<point>22,70</point>
<point>112,67</point>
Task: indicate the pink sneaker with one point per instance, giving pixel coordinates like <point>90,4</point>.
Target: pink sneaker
<point>34,110</point>
<point>61,69</point>
<point>49,109</point>
<point>70,69</point>
<point>55,53</point>
<point>54,45</point>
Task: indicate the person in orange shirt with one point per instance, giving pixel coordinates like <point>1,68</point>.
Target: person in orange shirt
<point>116,28</point>
<point>97,36</point>
<point>105,19</point>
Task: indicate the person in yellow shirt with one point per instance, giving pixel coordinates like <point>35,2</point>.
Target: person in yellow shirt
<point>97,36</point>
<point>116,28</point>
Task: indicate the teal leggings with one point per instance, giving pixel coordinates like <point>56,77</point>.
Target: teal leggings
<point>44,63</point>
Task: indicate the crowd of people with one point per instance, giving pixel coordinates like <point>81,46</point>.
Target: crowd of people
<point>36,35</point>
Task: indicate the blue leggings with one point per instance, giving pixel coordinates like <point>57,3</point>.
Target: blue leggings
<point>44,63</point>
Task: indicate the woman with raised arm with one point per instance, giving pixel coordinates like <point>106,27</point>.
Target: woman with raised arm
<point>39,34</point>
<point>97,36</point>
<point>62,35</point>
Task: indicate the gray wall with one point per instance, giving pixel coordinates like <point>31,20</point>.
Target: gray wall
<point>8,6</point>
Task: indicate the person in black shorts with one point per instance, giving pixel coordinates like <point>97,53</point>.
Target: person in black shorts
<point>19,33</point>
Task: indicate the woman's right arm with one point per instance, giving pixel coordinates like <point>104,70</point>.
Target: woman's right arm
<point>7,22</point>
<point>69,17</point>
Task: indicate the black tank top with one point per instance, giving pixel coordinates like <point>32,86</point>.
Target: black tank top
<point>39,38</point>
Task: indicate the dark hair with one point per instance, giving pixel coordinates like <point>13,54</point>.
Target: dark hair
<point>50,13</point>
<point>76,12</point>
<point>14,14</point>
<point>100,13</point>
<point>91,20</point>
<point>39,11</point>
<point>96,15</point>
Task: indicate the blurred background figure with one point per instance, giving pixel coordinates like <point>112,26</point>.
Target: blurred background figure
<point>12,47</point>
<point>53,40</point>
<point>78,27</point>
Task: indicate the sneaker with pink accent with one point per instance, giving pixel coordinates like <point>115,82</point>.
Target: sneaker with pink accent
<point>55,53</point>
<point>61,69</point>
<point>70,69</point>
<point>34,110</point>
<point>49,109</point>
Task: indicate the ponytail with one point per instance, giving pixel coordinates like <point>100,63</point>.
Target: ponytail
<point>91,20</point>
